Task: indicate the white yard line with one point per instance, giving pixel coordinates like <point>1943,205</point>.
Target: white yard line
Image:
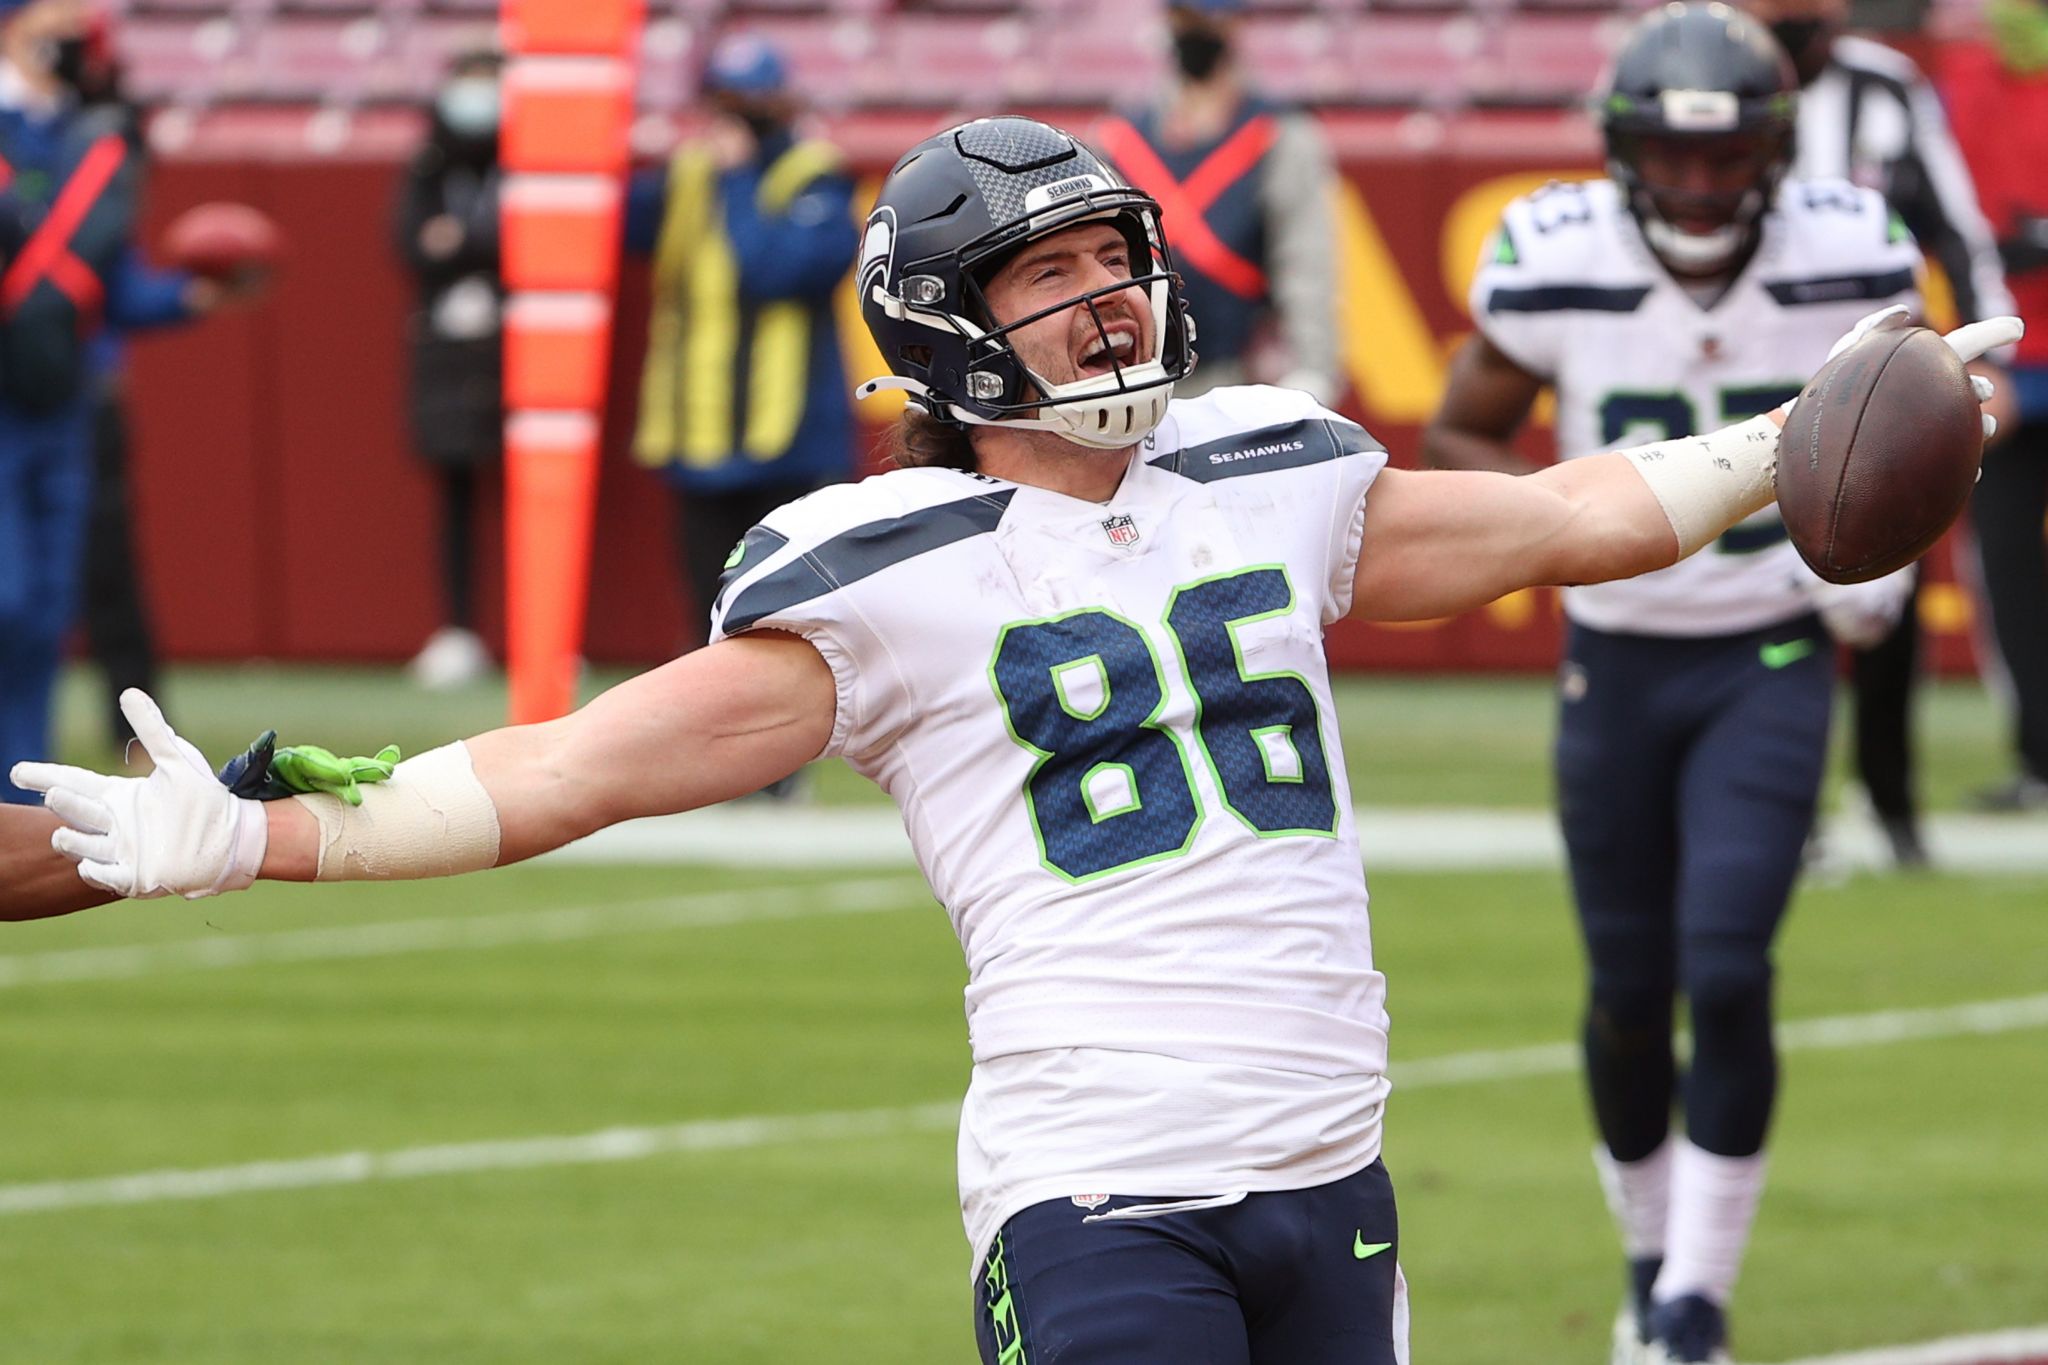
<point>696,910</point>
<point>1799,1035</point>
<point>1991,1348</point>
<point>1427,839</point>
<point>628,1144</point>
<point>412,1163</point>
<point>751,837</point>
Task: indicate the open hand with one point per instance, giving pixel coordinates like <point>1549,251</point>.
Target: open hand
<point>176,830</point>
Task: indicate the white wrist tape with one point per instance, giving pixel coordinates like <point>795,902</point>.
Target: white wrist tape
<point>1706,484</point>
<point>430,818</point>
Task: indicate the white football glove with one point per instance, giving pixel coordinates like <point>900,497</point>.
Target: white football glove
<point>1860,615</point>
<point>176,830</point>
<point>1971,342</point>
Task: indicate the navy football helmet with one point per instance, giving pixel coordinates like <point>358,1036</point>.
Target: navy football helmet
<point>1698,113</point>
<point>954,209</point>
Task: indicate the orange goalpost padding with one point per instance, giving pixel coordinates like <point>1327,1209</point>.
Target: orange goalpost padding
<point>560,232</point>
<point>604,27</point>
<point>568,111</point>
<point>550,498</point>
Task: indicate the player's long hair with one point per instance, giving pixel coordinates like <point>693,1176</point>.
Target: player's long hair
<point>920,441</point>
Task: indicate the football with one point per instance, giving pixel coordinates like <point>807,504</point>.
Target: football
<point>1879,454</point>
<point>220,240</point>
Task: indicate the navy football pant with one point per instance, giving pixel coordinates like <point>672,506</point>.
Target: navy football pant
<point>45,497</point>
<point>1297,1277</point>
<point>1688,771</point>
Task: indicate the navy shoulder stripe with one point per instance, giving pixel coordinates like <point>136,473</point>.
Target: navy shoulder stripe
<point>1838,288</point>
<point>1312,440</point>
<point>853,555</point>
<point>1567,298</point>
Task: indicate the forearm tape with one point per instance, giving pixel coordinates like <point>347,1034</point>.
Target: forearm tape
<point>431,818</point>
<point>1706,484</point>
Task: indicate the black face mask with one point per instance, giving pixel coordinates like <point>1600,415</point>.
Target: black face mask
<point>1199,51</point>
<point>765,127</point>
<point>1808,42</point>
<point>67,62</point>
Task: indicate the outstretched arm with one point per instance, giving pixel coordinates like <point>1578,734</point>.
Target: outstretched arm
<point>1439,542</point>
<point>715,724</point>
<point>712,725</point>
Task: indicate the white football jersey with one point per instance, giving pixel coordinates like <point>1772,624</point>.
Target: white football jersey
<point>1571,293</point>
<point>1110,733</point>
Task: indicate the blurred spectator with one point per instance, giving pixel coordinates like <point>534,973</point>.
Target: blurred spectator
<point>1245,186</point>
<point>68,184</point>
<point>116,610</point>
<point>1868,115</point>
<point>744,403</point>
<point>447,230</point>
<point>1998,99</point>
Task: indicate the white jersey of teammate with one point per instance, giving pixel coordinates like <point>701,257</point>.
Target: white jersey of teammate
<point>1571,293</point>
<point>1110,733</point>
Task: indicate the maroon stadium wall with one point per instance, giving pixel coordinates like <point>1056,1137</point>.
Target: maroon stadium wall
<point>282,516</point>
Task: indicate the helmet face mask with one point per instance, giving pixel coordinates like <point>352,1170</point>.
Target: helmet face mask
<point>957,210</point>
<point>1700,198</point>
<point>1698,114</point>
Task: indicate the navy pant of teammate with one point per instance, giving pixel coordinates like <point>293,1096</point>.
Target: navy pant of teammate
<point>45,497</point>
<point>1297,1277</point>
<point>1688,772</point>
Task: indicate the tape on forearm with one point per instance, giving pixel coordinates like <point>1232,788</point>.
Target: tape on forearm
<point>432,818</point>
<point>1706,484</point>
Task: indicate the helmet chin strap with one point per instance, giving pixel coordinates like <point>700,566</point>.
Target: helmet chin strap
<point>1069,416</point>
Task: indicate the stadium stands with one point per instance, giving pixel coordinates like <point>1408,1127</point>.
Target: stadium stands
<point>856,54</point>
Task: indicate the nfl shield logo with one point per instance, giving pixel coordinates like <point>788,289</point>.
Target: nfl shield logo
<point>1120,530</point>
<point>1091,1201</point>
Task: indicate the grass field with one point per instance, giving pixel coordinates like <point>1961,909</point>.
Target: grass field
<point>1909,1197</point>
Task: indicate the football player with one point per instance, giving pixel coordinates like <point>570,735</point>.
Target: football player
<point>1078,639</point>
<point>1694,286</point>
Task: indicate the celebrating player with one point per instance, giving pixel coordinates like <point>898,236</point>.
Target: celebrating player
<point>1079,642</point>
<point>1695,286</point>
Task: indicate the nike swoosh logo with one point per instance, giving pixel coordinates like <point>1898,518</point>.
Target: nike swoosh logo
<point>1791,652</point>
<point>1362,1250</point>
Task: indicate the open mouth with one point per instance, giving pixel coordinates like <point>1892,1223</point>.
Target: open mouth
<point>1110,348</point>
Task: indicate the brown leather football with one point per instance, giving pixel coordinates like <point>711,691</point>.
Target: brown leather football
<point>1879,454</point>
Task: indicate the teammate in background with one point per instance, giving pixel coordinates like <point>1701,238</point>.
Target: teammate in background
<point>1697,285</point>
<point>1867,115</point>
<point>1079,642</point>
<point>1247,185</point>
<point>743,405</point>
<point>446,229</point>
<point>1998,96</point>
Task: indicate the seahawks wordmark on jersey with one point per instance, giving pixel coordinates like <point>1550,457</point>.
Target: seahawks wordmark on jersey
<point>1110,733</point>
<point>1571,293</point>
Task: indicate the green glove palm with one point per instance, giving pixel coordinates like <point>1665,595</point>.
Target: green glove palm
<point>264,772</point>
<point>307,768</point>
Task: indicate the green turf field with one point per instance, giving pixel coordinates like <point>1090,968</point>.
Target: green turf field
<point>290,1023</point>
